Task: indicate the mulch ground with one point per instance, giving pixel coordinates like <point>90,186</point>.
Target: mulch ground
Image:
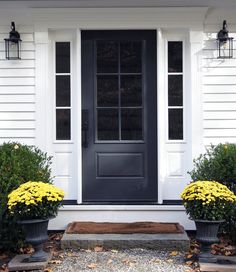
<point>61,257</point>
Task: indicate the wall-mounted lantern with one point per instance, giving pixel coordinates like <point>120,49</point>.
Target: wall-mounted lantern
<point>224,43</point>
<point>13,44</point>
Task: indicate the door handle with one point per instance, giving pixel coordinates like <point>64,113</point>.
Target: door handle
<point>85,127</point>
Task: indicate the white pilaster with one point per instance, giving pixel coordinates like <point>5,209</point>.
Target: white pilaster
<point>196,45</point>
<point>41,89</point>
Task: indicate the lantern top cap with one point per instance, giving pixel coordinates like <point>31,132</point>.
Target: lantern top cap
<point>14,35</point>
<point>223,34</point>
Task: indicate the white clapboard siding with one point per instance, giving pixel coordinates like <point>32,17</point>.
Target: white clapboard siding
<point>17,124</point>
<point>17,133</point>
<point>21,140</point>
<point>222,63</point>
<point>7,81</point>
<point>218,88</point>
<point>219,80</point>
<point>17,63</point>
<point>220,106</point>
<point>17,98</point>
<point>220,97</point>
<point>220,132</point>
<point>20,28</point>
<point>218,124</point>
<point>219,94</point>
<point>17,116</point>
<point>219,71</point>
<point>24,55</point>
<point>17,72</point>
<point>7,107</point>
<point>26,37</point>
<point>17,89</point>
<point>25,46</point>
<point>218,140</point>
<point>219,115</point>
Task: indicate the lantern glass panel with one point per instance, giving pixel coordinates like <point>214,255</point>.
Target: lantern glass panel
<point>225,49</point>
<point>13,49</point>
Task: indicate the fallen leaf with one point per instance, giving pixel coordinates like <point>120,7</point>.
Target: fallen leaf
<point>194,250</point>
<point>92,266</point>
<point>156,260</point>
<point>71,254</point>
<point>109,261</point>
<point>4,268</point>
<point>56,237</point>
<point>55,262</point>
<point>189,256</point>
<point>114,251</point>
<point>169,261</point>
<point>49,247</point>
<point>3,256</point>
<point>227,253</point>
<point>47,270</point>
<point>174,253</point>
<point>98,249</point>
<point>189,263</point>
<point>126,261</point>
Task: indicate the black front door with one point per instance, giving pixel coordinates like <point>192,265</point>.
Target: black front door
<point>119,120</point>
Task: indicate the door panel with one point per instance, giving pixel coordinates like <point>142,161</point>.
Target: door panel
<point>119,117</point>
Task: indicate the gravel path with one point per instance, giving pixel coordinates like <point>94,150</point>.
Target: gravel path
<point>132,260</point>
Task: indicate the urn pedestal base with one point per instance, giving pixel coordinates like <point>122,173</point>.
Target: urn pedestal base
<point>35,234</point>
<point>207,235</point>
<point>16,263</point>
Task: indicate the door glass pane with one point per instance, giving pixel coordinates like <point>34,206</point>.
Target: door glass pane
<point>62,91</point>
<point>131,124</point>
<point>175,57</point>
<point>175,90</point>
<point>107,124</point>
<point>131,90</point>
<point>176,124</point>
<point>107,57</point>
<point>131,57</point>
<point>63,124</point>
<point>107,91</point>
<point>62,57</point>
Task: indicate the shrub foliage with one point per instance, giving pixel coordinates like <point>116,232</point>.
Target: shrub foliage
<point>18,164</point>
<point>219,164</point>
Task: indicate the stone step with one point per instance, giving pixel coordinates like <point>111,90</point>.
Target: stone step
<point>172,241</point>
<point>220,267</point>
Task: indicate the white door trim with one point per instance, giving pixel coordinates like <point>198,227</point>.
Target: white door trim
<point>116,19</point>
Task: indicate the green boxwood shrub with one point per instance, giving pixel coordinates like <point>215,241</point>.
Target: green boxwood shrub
<point>219,164</point>
<point>19,163</point>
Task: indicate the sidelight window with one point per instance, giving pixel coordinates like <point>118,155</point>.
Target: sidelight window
<point>175,90</point>
<point>63,90</point>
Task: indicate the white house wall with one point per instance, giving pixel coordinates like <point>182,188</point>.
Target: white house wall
<point>219,81</point>
<point>210,101</point>
<point>17,90</point>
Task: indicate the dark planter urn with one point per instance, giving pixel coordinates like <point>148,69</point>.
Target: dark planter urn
<point>207,235</point>
<point>35,231</point>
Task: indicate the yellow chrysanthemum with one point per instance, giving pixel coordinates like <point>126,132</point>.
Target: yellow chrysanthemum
<point>35,197</point>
